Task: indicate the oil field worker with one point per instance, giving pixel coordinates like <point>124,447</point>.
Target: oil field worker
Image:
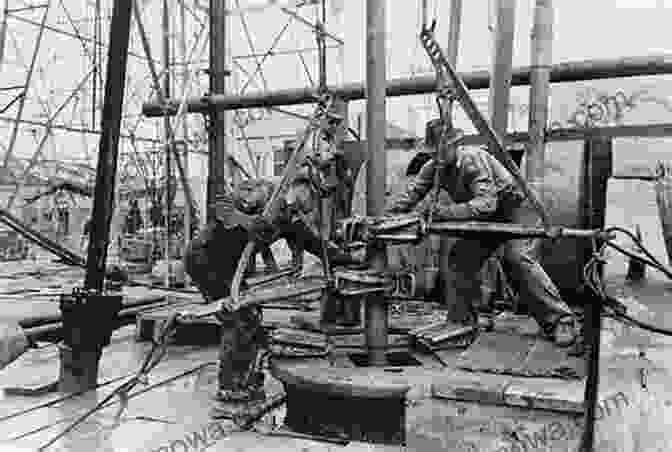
<point>483,189</point>
<point>211,260</point>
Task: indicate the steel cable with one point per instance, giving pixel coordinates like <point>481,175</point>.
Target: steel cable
<point>594,281</point>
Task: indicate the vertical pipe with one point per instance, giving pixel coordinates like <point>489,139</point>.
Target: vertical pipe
<point>502,65</point>
<point>217,160</point>
<point>96,62</point>
<point>452,50</point>
<point>115,81</point>
<point>423,11</point>
<point>185,129</point>
<point>540,72</point>
<point>593,334</point>
<point>165,25</point>
<point>376,174</point>
<point>3,33</point>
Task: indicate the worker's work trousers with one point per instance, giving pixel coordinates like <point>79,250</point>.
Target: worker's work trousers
<point>241,341</point>
<point>463,272</point>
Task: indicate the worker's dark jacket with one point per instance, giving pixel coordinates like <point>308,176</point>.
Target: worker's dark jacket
<point>479,184</point>
<point>211,258</point>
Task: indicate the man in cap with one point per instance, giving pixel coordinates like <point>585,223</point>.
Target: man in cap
<point>482,189</point>
<point>211,260</point>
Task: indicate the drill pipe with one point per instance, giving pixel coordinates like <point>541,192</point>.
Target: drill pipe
<point>478,229</point>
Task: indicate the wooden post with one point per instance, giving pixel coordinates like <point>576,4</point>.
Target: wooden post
<point>217,160</point>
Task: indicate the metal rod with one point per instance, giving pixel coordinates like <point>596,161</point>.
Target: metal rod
<point>311,25</point>
<point>540,87</point>
<point>22,100</point>
<point>103,203</point>
<point>7,219</point>
<point>31,322</point>
<point>3,34</point>
<point>248,56</point>
<point>45,137</point>
<point>70,35</point>
<point>217,160</point>
<point>67,128</point>
<point>96,62</point>
<point>127,316</point>
<point>593,335</point>
<point>165,25</point>
<point>375,306</point>
<point>562,72</point>
<point>511,231</point>
<point>185,129</point>
<point>157,87</point>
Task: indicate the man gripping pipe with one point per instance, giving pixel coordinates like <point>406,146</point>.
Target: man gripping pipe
<point>482,189</point>
<point>211,260</point>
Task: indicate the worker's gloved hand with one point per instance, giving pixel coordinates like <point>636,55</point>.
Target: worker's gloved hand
<point>451,212</point>
<point>261,230</point>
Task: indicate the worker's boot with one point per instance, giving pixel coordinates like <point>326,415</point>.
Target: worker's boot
<point>563,330</point>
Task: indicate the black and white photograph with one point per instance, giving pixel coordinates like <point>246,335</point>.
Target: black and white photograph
<point>335,226</point>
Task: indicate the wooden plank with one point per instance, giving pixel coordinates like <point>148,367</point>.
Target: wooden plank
<point>467,386</point>
<point>300,338</point>
<point>546,394</point>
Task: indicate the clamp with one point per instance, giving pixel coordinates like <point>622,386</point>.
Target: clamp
<point>358,283</point>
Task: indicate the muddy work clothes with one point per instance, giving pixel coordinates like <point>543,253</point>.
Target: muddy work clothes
<point>211,260</point>
<point>482,189</point>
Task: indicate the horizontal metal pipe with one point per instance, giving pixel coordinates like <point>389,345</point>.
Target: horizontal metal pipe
<point>52,331</point>
<point>31,322</point>
<point>511,231</point>
<point>563,72</point>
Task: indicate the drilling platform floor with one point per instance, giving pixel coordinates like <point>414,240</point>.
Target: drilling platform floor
<point>447,408</point>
